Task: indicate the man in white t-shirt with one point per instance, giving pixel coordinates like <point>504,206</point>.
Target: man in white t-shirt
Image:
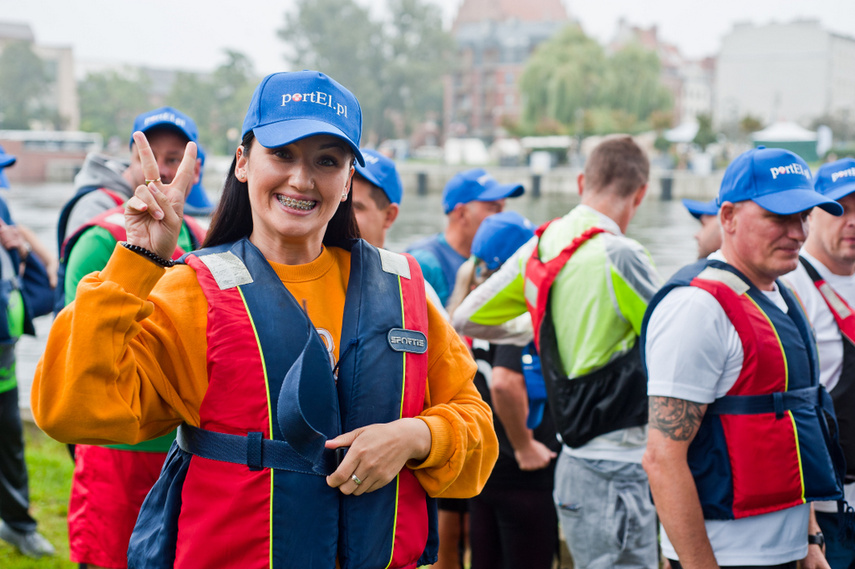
<point>727,350</point>
<point>825,284</point>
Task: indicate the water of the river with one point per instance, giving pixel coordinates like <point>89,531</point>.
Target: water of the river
<point>664,227</point>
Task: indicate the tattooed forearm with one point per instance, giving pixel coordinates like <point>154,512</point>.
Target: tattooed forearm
<point>678,419</point>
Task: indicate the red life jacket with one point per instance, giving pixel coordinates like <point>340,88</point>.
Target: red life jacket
<point>539,276</point>
<point>770,442</point>
<point>113,220</point>
<point>843,394</point>
<point>607,399</point>
<point>272,392</point>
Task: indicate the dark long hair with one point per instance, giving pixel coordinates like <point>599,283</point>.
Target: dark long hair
<point>233,218</point>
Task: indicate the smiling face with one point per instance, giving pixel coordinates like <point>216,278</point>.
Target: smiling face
<point>761,244</point>
<point>832,238</point>
<point>294,190</point>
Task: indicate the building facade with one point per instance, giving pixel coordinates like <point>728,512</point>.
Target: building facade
<point>494,40</point>
<point>797,72</point>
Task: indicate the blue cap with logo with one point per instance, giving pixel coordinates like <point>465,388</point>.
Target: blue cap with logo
<point>5,161</point>
<point>380,171</point>
<point>836,180</point>
<point>699,208</point>
<point>166,117</point>
<point>289,106</point>
<point>476,185</point>
<point>775,179</point>
<point>499,236</point>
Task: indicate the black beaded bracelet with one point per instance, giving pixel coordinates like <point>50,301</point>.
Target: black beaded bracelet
<point>148,254</point>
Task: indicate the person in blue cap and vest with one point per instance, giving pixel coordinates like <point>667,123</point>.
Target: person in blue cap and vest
<point>739,423</point>
<point>321,402</point>
<point>110,482</point>
<point>467,199</point>
<point>21,272</point>
<point>825,283</point>
<point>709,235</point>
<point>512,522</point>
<point>377,193</point>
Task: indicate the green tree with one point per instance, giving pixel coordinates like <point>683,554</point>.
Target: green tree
<point>705,135</point>
<point>632,82</point>
<point>564,75</point>
<point>571,80</point>
<point>393,67</point>
<point>109,101</point>
<point>23,79</point>
<point>749,124</point>
<point>216,102</point>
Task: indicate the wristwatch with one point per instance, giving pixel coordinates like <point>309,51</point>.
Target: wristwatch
<point>816,539</point>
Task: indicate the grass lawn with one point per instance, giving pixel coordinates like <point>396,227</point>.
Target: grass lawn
<point>50,469</point>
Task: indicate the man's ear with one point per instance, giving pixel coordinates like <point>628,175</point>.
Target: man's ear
<point>727,217</point>
<point>639,195</point>
<point>580,182</point>
<point>197,171</point>
<point>391,215</point>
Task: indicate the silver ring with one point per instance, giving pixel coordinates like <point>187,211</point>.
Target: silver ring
<point>355,479</point>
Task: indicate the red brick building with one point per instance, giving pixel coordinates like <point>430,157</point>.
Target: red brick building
<point>494,40</point>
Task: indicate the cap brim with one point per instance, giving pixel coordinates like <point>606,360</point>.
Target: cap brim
<point>840,192</point>
<point>788,202</point>
<point>288,131</point>
<point>500,192</point>
<point>363,171</point>
<point>698,208</point>
<point>7,160</point>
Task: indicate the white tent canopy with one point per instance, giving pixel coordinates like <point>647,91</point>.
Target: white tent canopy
<point>784,132</point>
<point>685,132</point>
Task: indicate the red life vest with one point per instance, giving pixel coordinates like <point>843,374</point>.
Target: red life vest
<point>843,394</point>
<point>113,220</point>
<point>252,511</point>
<point>539,276</point>
<point>770,442</point>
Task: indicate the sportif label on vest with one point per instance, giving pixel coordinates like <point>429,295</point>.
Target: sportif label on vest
<point>411,341</point>
<point>794,168</point>
<point>318,98</point>
<point>847,173</point>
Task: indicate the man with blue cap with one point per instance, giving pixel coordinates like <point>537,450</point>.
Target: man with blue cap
<point>738,442</point>
<point>377,193</point>
<point>110,483</point>
<point>17,526</point>
<point>709,235</point>
<point>825,283</point>
<point>467,199</point>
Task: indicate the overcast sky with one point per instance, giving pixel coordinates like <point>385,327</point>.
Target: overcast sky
<point>191,34</point>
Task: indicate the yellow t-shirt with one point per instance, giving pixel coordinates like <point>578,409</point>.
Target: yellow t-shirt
<point>149,373</point>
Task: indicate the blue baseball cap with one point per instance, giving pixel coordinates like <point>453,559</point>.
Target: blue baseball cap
<point>476,185</point>
<point>289,106</point>
<point>836,180</point>
<point>166,117</point>
<point>775,179</point>
<point>698,208</point>
<point>380,171</point>
<point>499,236</point>
<point>5,161</point>
<point>198,202</point>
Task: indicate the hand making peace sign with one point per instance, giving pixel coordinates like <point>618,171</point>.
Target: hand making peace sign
<point>154,214</point>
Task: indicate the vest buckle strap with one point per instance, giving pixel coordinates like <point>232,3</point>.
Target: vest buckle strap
<point>252,450</point>
<point>778,403</point>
